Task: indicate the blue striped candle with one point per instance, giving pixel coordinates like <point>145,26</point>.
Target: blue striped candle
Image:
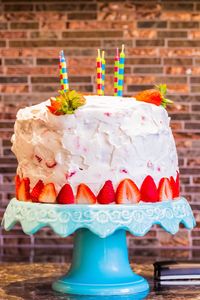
<point>63,72</point>
<point>103,68</point>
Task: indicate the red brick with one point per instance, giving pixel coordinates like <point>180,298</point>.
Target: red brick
<point>180,25</point>
<point>18,7</point>
<point>12,35</point>
<point>92,34</point>
<point>150,43</point>
<point>55,43</point>
<point>24,25</point>
<point>177,6</point>
<point>82,16</point>
<point>32,70</point>
<point>72,6</point>
<point>170,52</point>
<point>152,24</point>
<point>14,88</point>
<point>183,43</point>
<point>172,34</point>
<point>178,61</point>
<point>142,33</point>
<point>142,51</point>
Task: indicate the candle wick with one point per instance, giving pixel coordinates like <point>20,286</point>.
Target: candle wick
<point>117,52</point>
<point>61,53</point>
<point>99,53</point>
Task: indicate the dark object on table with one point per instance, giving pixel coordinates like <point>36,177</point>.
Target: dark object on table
<point>177,273</point>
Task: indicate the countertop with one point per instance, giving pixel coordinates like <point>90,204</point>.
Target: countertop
<point>25,280</point>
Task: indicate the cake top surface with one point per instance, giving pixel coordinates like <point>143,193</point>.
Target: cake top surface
<point>110,104</point>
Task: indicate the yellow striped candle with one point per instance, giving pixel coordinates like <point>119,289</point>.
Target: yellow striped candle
<point>116,69</point>
<point>63,72</point>
<point>99,73</point>
<point>121,73</point>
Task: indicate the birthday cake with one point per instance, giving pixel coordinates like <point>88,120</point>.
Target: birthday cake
<point>104,150</point>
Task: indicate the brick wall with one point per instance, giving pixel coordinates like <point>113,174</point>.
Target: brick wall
<point>162,41</point>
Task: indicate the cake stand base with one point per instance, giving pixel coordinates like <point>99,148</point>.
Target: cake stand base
<point>100,266</point>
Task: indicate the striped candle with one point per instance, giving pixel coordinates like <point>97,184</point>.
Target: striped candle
<point>121,73</point>
<point>103,71</point>
<point>99,73</point>
<point>116,69</point>
<point>63,72</point>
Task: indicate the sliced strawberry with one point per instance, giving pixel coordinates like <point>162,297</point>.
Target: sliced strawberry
<point>17,185</point>
<point>127,192</point>
<point>39,159</point>
<point>36,191</point>
<point>66,195</point>
<point>85,195</point>
<point>107,193</point>
<point>24,190</point>
<point>55,107</point>
<point>48,194</point>
<point>148,190</point>
<point>51,164</point>
<point>154,96</point>
<point>53,110</point>
<point>177,184</point>
<point>165,190</point>
<point>175,191</point>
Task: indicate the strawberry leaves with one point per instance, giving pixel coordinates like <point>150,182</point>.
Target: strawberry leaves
<point>162,88</point>
<point>66,102</point>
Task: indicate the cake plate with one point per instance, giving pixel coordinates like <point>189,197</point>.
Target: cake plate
<point>100,264</point>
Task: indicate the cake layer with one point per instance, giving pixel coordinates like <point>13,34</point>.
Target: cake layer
<point>108,138</point>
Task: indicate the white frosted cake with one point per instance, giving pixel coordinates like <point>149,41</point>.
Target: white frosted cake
<point>109,150</point>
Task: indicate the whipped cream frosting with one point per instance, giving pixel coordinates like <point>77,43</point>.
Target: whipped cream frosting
<point>108,138</point>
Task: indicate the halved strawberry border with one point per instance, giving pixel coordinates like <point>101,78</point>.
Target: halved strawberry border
<point>126,192</point>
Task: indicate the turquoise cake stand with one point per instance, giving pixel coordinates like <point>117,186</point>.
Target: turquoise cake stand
<point>100,264</point>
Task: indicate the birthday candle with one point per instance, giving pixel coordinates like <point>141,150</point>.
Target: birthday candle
<point>63,72</point>
<point>103,71</point>
<point>116,69</point>
<point>121,72</point>
<point>99,73</point>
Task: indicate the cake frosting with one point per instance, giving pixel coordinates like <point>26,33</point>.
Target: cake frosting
<point>108,138</point>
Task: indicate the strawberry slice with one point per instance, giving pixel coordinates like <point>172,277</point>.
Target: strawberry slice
<point>85,195</point>
<point>165,190</point>
<point>127,192</point>
<point>148,190</point>
<point>154,96</point>
<point>107,193</point>
<point>55,107</point>
<point>36,191</point>
<point>17,185</point>
<point>66,195</point>
<point>24,190</point>
<point>48,194</point>
<point>177,184</point>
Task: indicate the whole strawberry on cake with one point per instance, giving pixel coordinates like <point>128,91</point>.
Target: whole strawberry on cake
<point>76,149</point>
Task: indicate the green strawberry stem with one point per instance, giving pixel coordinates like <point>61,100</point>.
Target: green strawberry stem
<point>69,101</point>
<point>163,90</point>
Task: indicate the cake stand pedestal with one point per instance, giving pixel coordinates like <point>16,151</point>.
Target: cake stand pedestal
<point>100,264</point>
